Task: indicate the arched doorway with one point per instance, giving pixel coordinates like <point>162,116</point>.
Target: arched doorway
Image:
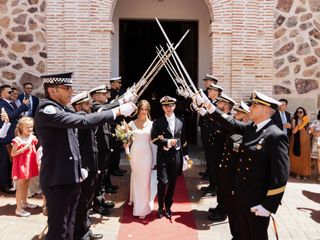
<point>136,34</point>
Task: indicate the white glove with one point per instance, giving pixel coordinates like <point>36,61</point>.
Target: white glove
<point>127,109</point>
<point>260,211</point>
<point>199,99</point>
<point>84,174</point>
<point>202,111</point>
<point>129,96</point>
<point>206,100</point>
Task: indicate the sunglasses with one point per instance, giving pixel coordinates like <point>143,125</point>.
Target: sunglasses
<point>299,111</point>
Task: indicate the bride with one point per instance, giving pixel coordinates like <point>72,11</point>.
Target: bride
<point>143,159</point>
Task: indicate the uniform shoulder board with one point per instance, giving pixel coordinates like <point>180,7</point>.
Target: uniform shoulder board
<point>225,115</point>
<point>50,109</point>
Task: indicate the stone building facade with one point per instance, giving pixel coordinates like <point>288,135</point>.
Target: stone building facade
<point>273,46</point>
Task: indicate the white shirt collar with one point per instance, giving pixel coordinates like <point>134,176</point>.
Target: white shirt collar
<point>8,101</point>
<point>170,118</point>
<point>262,124</point>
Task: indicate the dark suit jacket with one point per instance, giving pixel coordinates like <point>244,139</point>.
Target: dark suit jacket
<point>35,103</point>
<point>103,134</point>
<point>276,118</point>
<point>263,169</point>
<point>14,115</point>
<point>160,134</point>
<point>55,125</point>
<point>88,147</point>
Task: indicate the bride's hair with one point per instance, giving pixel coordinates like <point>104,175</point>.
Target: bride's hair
<point>141,104</point>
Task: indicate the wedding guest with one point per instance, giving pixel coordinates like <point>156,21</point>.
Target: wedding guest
<point>14,96</point>
<point>33,100</point>
<point>24,164</point>
<point>300,147</point>
<point>282,118</point>
<point>142,160</point>
<point>315,131</point>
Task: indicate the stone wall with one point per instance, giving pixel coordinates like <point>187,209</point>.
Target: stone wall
<point>297,52</point>
<point>23,41</point>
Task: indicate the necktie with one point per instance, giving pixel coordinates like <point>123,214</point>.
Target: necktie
<point>13,104</point>
<point>284,120</point>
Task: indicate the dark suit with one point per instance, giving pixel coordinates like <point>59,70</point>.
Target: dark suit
<point>276,118</point>
<point>169,161</point>
<point>5,164</point>
<point>35,103</point>
<point>61,162</point>
<point>262,173</point>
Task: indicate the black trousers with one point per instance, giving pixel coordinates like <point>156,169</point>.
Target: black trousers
<point>167,183</point>
<point>5,166</point>
<point>226,176</point>
<point>62,201</point>
<point>212,167</point>
<point>82,221</point>
<point>204,138</point>
<point>252,227</point>
<point>115,156</point>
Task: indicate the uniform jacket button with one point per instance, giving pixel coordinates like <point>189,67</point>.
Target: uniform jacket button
<point>70,158</point>
<point>244,178</point>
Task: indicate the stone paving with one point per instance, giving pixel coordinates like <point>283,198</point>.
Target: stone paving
<point>298,218</point>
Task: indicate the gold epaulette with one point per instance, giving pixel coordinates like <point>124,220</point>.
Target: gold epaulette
<point>276,191</point>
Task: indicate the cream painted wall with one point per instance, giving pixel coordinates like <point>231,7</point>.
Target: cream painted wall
<point>165,9</point>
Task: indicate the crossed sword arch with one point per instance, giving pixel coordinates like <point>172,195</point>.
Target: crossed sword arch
<point>170,59</point>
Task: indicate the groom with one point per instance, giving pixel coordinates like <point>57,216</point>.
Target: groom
<point>168,134</point>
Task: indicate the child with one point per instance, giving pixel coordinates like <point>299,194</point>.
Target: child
<point>24,164</point>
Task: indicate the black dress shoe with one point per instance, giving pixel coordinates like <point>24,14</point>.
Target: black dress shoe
<point>205,177</point>
<point>205,188</point>
<point>217,217</point>
<point>110,190</point>
<point>212,210</point>
<point>160,213</point>
<point>122,170</point>
<point>8,190</point>
<point>101,210</point>
<point>94,236</point>
<point>108,205</point>
<point>168,213</point>
<point>210,192</point>
<point>115,187</point>
<point>117,173</point>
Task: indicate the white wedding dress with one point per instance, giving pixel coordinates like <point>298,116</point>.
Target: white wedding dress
<point>143,182</point>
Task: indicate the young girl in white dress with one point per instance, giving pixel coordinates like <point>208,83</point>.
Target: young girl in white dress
<point>143,160</point>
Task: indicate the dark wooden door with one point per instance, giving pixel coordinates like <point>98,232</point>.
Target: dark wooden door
<point>138,39</point>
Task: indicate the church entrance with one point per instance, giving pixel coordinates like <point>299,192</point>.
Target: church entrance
<point>137,42</point>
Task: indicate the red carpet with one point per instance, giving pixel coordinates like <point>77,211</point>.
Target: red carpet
<point>181,227</point>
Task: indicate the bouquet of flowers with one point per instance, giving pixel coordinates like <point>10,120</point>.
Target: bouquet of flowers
<point>124,133</point>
